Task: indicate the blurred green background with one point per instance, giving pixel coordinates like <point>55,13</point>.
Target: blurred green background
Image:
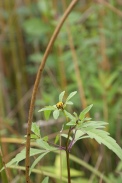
<point>87,57</point>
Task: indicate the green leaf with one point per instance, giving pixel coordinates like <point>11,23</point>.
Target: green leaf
<point>71,123</point>
<point>47,114</point>
<point>48,108</point>
<point>61,96</point>
<point>46,179</point>
<point>69,103</point>
<point>36,161</point>
<point>78,134</point>
<point>75,114</point>
<point>82,116</point>
<point>87,119</point>
<point>83,137</point>
<point>103,137</point>
<point>71,95</point>
<point>85,111</point>
<point>45,145</point>
<point>56,114</point>
<point>35,129</point>
<point>69,115</point>
<point>33,136</point>
<point>21,156</point>
<point>57,138</point>
<point>45,138</point>
<point>87,126</point>
<point>93,125</point>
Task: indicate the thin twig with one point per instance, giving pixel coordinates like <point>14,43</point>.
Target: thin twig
<point>38,77</point>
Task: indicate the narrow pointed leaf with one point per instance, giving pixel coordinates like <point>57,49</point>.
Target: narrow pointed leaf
<point>71,123</point>
<point>33,136</point>
<point>103,137</point>
<point>47,114</point>
<point>45,145</point>
<point>82,116</point>
<point>71,95</point>
<point>35,129</point>
<point>36,161</point>
<point>69,103</point>
<point>46,179</point>
<point>21,156</point>
<point>75,114</point>
<point>85,111</point>
<point>87,119</point>
<point>87,126</point>
<point>69,115</point>
<point>56,114</point>
<point>48,108</point>
<point>78,134</point>
<point>57,138</point>
<point>84,137</point>
<point>95,124</point>
<point>61,96</point>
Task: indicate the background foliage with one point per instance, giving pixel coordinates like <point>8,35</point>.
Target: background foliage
<point>86,57</point>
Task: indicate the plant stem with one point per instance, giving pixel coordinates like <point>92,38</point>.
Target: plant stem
<point>38,77</point>
<point>68,165</point>
<point>67,156</point>
<point>68,148</point>
<point>72,141</point>
<point>55,145</point>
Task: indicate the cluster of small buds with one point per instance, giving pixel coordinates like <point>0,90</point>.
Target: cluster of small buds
<point>59,105</point>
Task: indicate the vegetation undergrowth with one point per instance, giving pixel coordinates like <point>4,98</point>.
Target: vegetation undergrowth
<point>86,57</point>
<point>75,127</point>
